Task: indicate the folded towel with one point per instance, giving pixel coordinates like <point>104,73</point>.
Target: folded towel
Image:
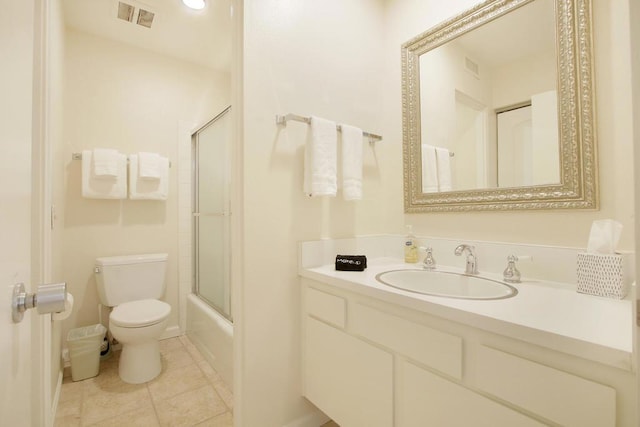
<point>96,188</point>
<point>320,159</point>
<point>105,163</point>
<point>351,162</point>
<point>444,169</point>
<point>429,169</point>
<point>146,189</point>
<point>148,165</point>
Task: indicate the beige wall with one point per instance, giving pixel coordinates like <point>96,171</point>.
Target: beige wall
<point>132,100</point>
<point>341,60</point>
<point>308,58</point>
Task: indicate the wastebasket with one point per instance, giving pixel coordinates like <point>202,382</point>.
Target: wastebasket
<point>84,351</point>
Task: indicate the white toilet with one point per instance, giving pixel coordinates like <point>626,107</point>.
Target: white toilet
<point>132,285</point>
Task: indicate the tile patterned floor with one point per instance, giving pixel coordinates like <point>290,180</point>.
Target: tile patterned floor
<point>187,393</point>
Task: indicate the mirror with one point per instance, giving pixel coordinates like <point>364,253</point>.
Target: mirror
<point>498,110</point>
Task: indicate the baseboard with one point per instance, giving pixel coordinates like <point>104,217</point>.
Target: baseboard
<point>314,419</point>
<point>171,332</point>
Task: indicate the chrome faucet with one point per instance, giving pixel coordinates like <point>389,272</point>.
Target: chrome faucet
<point>472,261</point>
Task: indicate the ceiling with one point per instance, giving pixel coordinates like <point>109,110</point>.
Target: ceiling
<point>202,37</point>
<point>525,32</point>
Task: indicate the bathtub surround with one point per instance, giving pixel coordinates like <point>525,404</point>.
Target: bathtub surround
<point>210,332</point>
<point>212,335</point>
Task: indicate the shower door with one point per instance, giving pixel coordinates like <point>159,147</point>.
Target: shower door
<point>211,213</point>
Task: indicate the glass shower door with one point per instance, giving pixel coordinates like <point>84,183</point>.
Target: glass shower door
<point>211,212</point>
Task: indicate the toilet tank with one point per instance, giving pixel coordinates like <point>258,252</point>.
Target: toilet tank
<point>129,278</point>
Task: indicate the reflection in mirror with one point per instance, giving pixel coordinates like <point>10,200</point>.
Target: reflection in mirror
<point>498,110</point>
<point>469,89</point>
<point>528,152</point>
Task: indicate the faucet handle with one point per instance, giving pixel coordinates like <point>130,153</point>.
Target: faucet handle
<point>511,274</point>
<point>429,262</point>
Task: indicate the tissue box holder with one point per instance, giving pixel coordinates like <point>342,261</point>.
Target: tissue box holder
<point>602,275</point>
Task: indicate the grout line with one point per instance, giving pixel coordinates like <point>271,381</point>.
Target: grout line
<point>184,346</point>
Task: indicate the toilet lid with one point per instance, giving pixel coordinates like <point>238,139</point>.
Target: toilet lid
<point>136,314</point>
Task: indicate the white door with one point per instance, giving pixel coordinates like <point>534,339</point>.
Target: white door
<point>16,81</point>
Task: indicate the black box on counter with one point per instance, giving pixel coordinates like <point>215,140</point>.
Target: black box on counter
<point>351,262</point>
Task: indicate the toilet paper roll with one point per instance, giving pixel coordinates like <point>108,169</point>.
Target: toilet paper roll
<point>68,307</point>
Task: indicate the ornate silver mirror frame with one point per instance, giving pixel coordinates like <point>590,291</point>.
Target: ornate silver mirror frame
<point>578,158</point>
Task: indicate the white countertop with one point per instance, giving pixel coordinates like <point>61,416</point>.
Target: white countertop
<point>543,313</point>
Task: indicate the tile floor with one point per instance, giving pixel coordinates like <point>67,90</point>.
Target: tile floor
<point>188,392</point>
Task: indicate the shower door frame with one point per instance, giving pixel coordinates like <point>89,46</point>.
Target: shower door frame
<point>195,214</point>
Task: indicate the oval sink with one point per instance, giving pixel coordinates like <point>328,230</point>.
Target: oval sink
<point>446,284</point>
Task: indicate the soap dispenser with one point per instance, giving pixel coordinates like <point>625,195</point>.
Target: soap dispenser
<point>410,247</point>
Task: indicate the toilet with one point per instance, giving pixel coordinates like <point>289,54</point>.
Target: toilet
<point>132,286</point>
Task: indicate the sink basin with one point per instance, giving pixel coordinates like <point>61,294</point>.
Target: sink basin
<point>447,284</point>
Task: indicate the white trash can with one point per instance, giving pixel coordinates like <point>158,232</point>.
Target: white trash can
<point>84,351</point>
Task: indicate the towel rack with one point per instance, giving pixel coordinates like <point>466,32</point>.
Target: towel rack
<point>282,121</point>
<point>78,156</point>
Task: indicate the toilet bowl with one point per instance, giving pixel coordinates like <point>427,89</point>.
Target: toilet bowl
<point>132,286</point>
<point>137,325</point>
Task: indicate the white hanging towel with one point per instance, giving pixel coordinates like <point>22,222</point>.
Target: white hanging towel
<point>444,169</point>
<point>429,169</point>
<point>146,189</point>
<point>148,165</point>
<point>320,170</point>
<point>100,188</point>
<point>351,162</point>
<point>105,163</point>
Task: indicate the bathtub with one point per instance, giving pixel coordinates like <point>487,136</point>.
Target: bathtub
<point>212,334</point>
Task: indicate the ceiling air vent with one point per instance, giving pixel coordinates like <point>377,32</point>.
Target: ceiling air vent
<point>126,11</point>
<point>145,18</point>
<point>472,67</point>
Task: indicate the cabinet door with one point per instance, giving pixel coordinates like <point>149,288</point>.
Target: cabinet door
<point>426,399</point>
<point>349,380</point>
<point>558,396</point>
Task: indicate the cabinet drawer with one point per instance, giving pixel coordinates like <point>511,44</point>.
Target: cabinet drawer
<point>438,350</point>
<point>556,395</point>
<point>327,307</point>
<point>423,396</point>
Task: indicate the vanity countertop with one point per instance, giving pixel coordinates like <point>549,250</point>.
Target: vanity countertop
<point>543,313</point>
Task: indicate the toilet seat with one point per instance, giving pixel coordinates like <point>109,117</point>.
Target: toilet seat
<point>141,313</point>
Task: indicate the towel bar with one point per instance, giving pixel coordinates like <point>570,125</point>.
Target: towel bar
<point>282,121</point>
<point>78,156</point>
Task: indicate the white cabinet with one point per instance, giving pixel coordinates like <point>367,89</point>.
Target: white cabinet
<point>426,399</point>
<point>346,378</point>
<point>436,349</point>
<point>372,363</point>
<point>557,396</point>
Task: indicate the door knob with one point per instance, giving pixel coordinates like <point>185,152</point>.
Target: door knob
<point>49,298</point>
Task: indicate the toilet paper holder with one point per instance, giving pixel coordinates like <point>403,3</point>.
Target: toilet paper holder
<point>50,298</point>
